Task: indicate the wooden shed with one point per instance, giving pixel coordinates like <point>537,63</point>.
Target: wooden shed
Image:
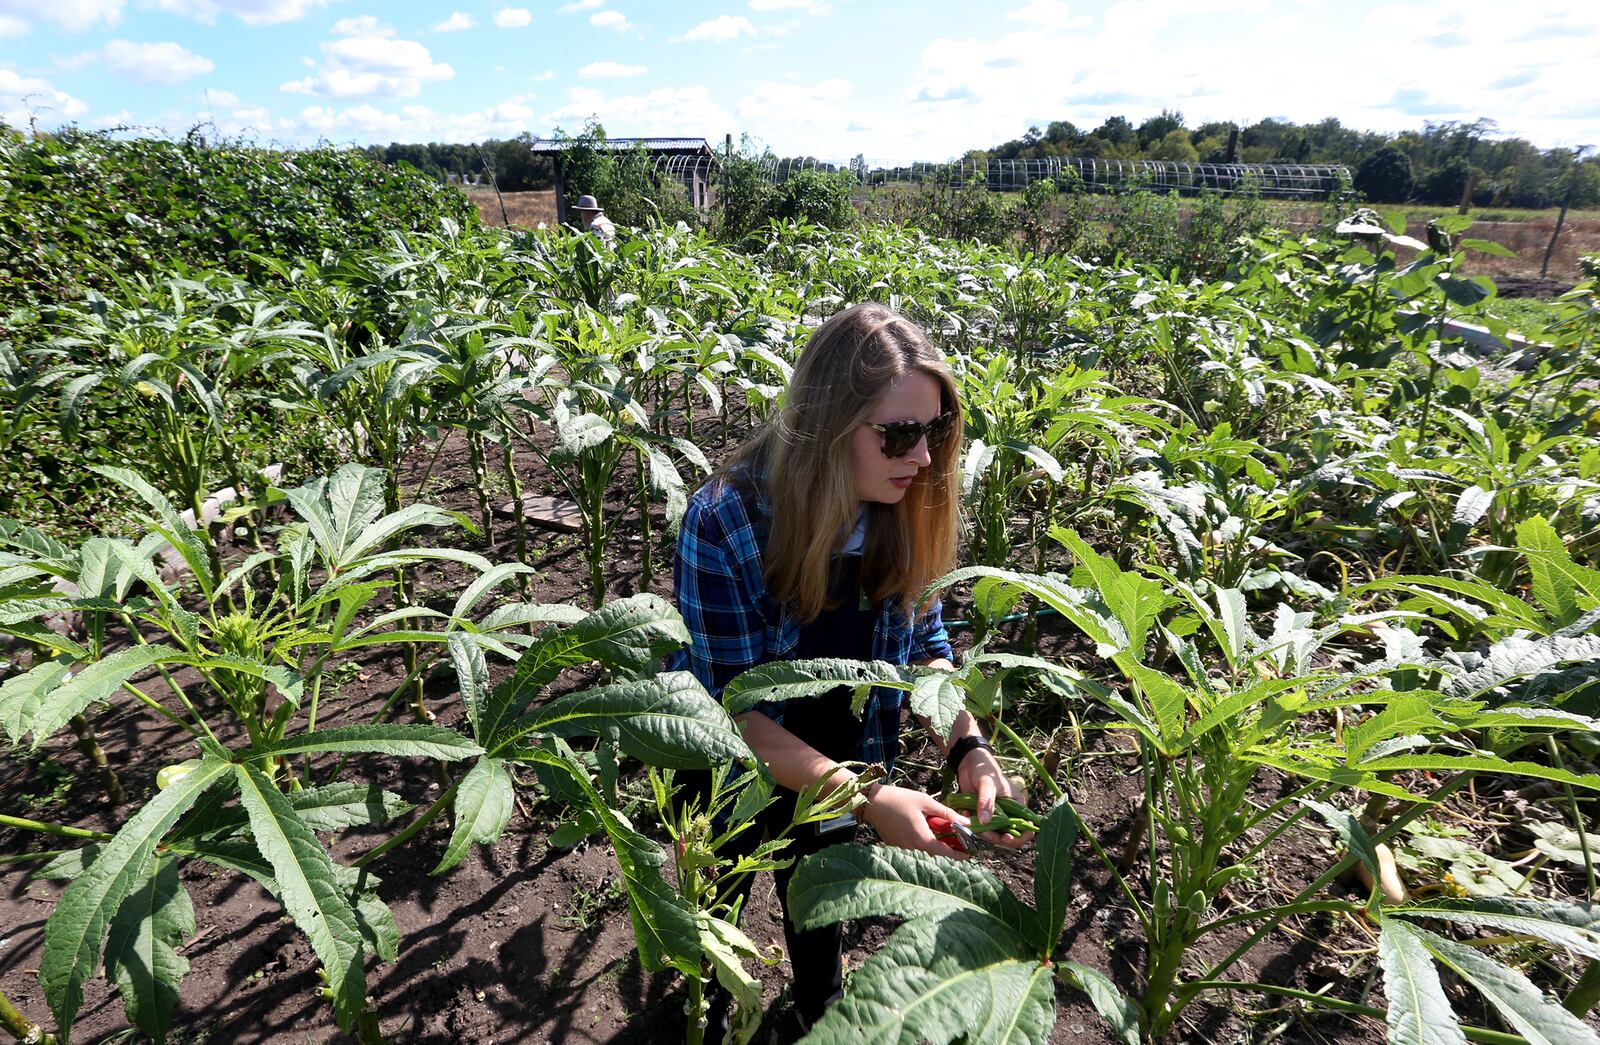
<point>688,161</point>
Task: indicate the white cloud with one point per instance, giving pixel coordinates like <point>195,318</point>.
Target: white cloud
<point>594,69</point>
<point>363,25</point>
<point>817,105</point>
<point>582,5</point>
<point>513,17</point>
<point>215,99</point>
<point>10,27</point>
<point>72,15</point>
<point>816,7</point>
<point>371,63</point>
<point>111,121</point>
<point>455,23</point>
<point>1048,14</point>
<point>610,20</point>
<point>250,12</point>
<point>669,110</point>
<point>548,74</point>
<point>368,123</point>
<point>144,63</point>
<point>22,98</point>
<point>719,30</point>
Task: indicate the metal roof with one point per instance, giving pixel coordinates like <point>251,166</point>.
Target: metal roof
<point>651,144</point>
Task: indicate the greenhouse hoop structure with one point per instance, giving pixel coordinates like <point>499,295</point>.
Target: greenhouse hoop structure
<point>694,164</point>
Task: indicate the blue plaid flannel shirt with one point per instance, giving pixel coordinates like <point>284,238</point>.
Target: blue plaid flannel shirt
<point>733,625</point>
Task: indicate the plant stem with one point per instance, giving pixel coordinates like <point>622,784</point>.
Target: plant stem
<point>1577,816</point>
<point>20,1027</point>
<point>89,746</point>
<point>1393,828</point>
<point>411,829</point>
<point>53,829</point>
<point>1489,1037</point>
<point>43,854</point>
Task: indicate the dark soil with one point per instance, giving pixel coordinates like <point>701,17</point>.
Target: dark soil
<point>1530,287</point>
<point>523,943</point>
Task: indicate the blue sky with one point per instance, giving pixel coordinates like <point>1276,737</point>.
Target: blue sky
<point>831,78</point>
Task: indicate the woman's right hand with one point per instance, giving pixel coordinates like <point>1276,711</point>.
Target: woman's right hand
<point>900,816</point>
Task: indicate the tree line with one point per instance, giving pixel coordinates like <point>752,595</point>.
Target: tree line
<point>511,162</point>
<point>1433,165</point>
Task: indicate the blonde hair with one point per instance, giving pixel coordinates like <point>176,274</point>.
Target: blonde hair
<point>804,454</point>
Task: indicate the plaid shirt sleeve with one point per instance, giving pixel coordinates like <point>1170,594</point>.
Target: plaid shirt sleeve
<point>716,586</point>
<point>929,639</point>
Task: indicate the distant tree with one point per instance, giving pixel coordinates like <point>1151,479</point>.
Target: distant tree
<point>1156,128</point>
<point>1174,145</point>
<point>1385,176</point>
<point>1446,182</point>
<point>1117,130</point>
<point>1061,132</point>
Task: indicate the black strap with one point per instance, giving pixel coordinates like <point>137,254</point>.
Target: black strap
<point>964,747</point>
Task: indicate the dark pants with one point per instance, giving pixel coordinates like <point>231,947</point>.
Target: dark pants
<point>814,954</point>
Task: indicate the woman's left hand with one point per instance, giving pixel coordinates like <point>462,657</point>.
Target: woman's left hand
<point>980,774</point>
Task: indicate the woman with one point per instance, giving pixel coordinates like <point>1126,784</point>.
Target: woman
<point>815,540</point>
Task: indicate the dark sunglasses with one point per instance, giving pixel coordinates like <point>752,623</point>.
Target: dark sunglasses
<point>901,437</point>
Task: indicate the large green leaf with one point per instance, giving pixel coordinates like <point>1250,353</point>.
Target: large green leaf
<point>1536,1017</point>
<point>140,948</point>
<point>171,525</point>
<point>936,697</point>
<point>1515,658</point>
<point>850,881</point>
<point>1109,1002</point>
<point>1052,875</point>
<point>76,928</point>
<point>664,926</point>
<point>1419,1013</point>
<point>668,721</point>
<point>1404,713</point>
<point>627,634</point>
<point>405,739</point>
<point>338,507</point>
<point>472,673</point>
<point>20,696</point>
<point>1552,588</point>
<point>1136,600</point>
<point>796,679</point>
<point>1077,605</point>
<point>483,804</point>
<point>958,977</point>
<point>308,889</point>
<point>1574,926</point>
<point>331,807</point>
<point>97,681</point>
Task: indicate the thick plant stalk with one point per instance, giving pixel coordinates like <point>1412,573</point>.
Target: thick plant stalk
<point>647,559</point>
<point>519,518</point>
<point>89,744</point>
<point>1586,992</point>
<point>20,1027</point>
<point>480,479</point>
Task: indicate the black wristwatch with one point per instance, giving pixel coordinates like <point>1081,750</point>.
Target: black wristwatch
<point>964,747</point>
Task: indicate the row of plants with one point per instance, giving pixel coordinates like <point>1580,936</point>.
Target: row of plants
<point>1308,538</point>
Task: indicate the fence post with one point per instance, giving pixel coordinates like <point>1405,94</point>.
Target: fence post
<point>1566,203</point>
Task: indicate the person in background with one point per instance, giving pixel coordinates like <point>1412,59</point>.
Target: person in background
<point>594,220</point>
<point>815,540</point>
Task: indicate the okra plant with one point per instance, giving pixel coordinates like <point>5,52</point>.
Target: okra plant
<point>241,802</point>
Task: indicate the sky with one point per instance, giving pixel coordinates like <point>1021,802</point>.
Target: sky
<point>891,80</point>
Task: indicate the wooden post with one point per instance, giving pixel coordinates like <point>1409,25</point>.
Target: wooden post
<point>1466,193</point>
<point>727,173</point>
<point>561,189</point>
<point>1566,203</point>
